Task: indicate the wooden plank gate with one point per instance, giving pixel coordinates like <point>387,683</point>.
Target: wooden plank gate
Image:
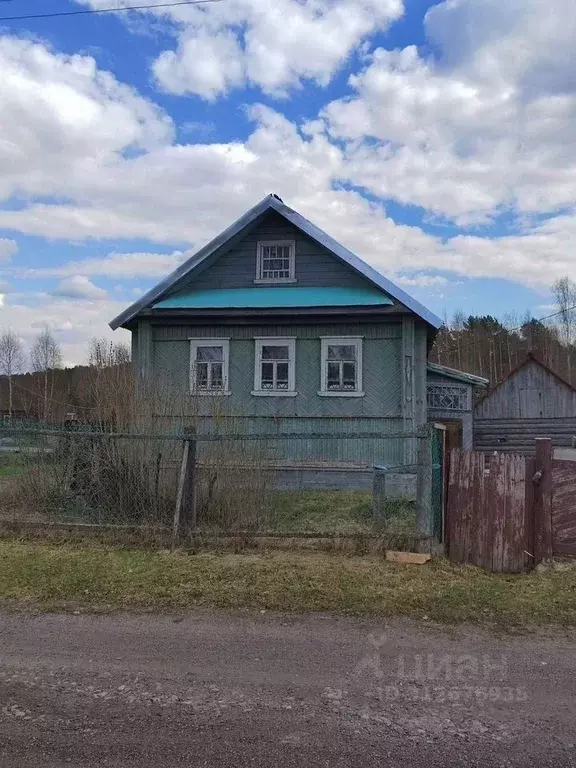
<point>488,514</point>
<point>564,504</point>
<point>507,512</point>
<point>500,512</point>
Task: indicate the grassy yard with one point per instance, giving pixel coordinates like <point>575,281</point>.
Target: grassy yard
<point>52,577</point>
<point>341,512</point>
<point>320,511</point>
<point>12,466</point>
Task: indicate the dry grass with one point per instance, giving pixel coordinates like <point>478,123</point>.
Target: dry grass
<point>51,577</point>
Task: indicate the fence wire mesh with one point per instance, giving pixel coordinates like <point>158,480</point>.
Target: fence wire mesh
<point>288,484</point>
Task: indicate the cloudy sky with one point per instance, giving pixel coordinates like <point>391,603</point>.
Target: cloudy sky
<point>436,140</point>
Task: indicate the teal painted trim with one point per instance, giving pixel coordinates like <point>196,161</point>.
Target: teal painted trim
<point>452,373</point>
<point>271,297</point>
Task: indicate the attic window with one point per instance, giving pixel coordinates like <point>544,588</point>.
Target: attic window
<point>275,262</point>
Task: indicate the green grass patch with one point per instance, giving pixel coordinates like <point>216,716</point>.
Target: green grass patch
<point>12,466</point>
<point>336,512</point>
<point>342,512</point>
<point>53,577</point>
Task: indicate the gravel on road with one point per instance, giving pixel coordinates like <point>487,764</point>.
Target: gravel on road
<point>259,689</point>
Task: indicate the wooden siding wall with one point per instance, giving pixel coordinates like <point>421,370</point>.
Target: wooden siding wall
<point>380,411</point>
<point>315,265</point>
<point>531,393</point>
<point>293,443</point>
<point>381,371</point>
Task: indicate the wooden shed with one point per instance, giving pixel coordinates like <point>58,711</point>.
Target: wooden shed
<point>531,401</point>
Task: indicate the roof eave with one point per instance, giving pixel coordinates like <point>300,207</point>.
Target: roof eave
<point>453,373</point>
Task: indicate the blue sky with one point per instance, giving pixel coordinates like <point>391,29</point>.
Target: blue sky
<point>433,139</point>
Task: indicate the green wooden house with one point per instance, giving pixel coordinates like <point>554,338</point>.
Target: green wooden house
<point>275,328</point>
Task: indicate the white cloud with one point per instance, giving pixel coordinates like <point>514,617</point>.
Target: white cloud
<point>487,125</point>
<point>423,281</point>
<point>121,265</point>
<point>8,248</point>
<point>536,257</point>
<point>150,196</point>
<point>64,120</point>
<point>205,65</point>
<point>79,287</point>
<point>137,183</point>
<point>273,45</point>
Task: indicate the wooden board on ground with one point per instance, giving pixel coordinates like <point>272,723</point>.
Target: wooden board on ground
<point>414,558</point>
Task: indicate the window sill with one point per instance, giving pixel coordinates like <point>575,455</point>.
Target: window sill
<point>215,393</point>
<point>341,394</point>
<point>269,281</point>
<point>271,393</point>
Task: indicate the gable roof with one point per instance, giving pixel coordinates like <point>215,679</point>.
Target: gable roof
<point>273,203</point>
<point>453,373</point>
<point>530,358</point>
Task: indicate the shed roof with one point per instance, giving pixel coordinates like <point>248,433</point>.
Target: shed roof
<point>452,373</point>
<point>531,357</point>
<point>273,203</point>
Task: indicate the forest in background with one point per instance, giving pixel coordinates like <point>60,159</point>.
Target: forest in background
<point>492,347</point>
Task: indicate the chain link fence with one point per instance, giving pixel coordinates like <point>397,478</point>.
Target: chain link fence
<point>331,485</point>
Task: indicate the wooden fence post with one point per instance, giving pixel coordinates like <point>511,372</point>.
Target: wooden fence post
<point>424,484</point>
<point>379,496</point>
<point>190,495</point>
<point>542,501</point>
<point>185,511</point>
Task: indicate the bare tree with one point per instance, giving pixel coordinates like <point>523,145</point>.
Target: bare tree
<point>564,291</point>
<point>110,382</point>
<point>46,356</point>
<point>105,354</point>
<point>11,360</point>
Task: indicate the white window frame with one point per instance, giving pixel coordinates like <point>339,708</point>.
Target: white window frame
<point>274,341</point>
<point>325,342</point>
<point>260,279</point>
<point>450,385</point>
<point>207,342</point>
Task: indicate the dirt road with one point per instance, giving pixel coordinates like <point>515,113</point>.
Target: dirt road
<point>265,690</point>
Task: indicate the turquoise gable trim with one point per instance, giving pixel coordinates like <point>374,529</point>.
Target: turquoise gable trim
<point>274,296</point>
